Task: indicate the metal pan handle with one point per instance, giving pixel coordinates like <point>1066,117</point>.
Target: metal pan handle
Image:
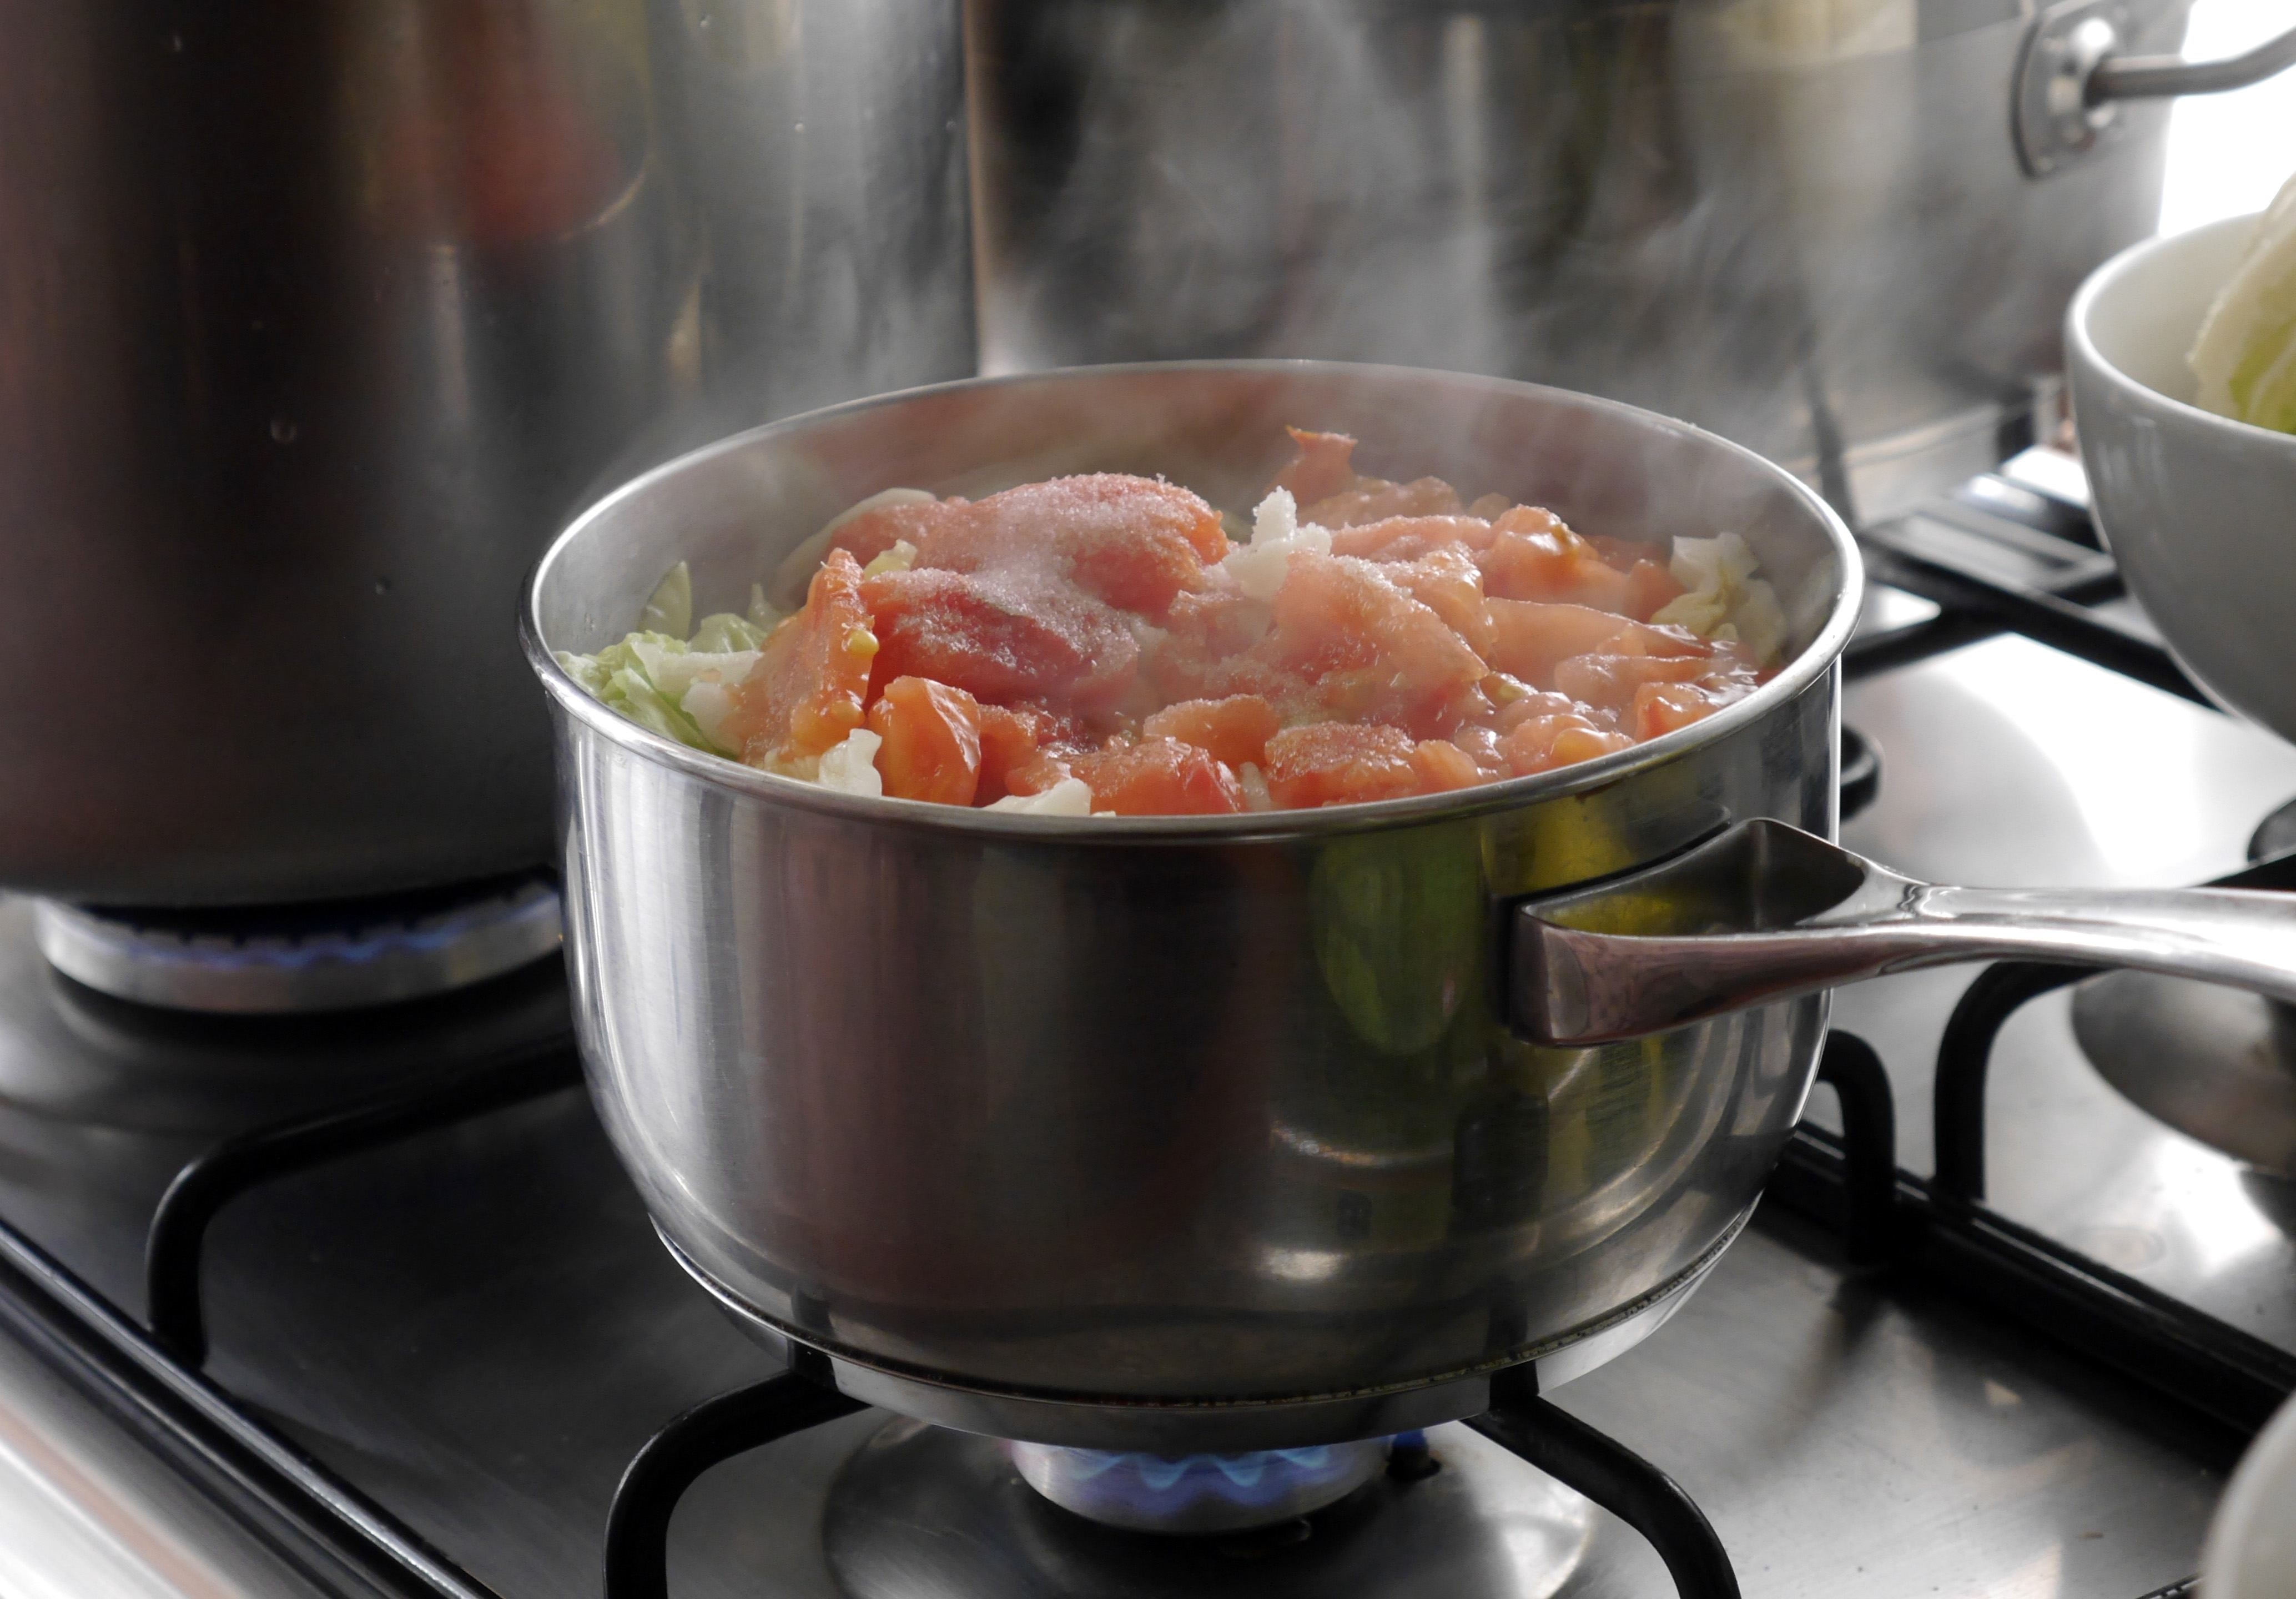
<point>2071,76</point>
<point>1766,911</point>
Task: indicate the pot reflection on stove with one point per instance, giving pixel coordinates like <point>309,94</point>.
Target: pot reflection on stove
<point>1197,1493</point>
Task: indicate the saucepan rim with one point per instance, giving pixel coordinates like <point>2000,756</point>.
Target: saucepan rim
<point>1815,660</point>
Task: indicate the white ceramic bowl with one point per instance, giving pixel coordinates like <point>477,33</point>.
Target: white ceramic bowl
<point>2251,1548</point>
<point>2198,510</point>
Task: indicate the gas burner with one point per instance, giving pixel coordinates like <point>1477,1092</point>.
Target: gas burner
<point>1198,1493</point>
<point>2216,1063</point>
<point>923,1510</point>
<point>272,960</point>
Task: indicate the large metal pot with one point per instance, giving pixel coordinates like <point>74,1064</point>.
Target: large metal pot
<point>317,320</point>
<point>1228,1132</point>
<point>1841,232</point>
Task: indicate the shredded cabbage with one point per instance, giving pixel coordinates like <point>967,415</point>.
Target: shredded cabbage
<point>2246,352</point>
<point>1725,601</point>
<point>660,679</point>
<point>620,677</point>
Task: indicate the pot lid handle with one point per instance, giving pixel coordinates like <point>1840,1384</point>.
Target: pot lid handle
<point>2071,75</point>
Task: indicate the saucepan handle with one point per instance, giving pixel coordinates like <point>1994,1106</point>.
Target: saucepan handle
<point>2074,70</point>
<point>1765,911</point>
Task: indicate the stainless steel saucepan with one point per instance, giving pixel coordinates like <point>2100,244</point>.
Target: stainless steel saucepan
<point>1234,1132</point>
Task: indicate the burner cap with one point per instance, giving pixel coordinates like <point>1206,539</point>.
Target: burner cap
<point>924,1513</point>
<point>274,960</point>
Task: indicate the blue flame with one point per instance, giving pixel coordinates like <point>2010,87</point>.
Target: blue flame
<point>1140,1488</point>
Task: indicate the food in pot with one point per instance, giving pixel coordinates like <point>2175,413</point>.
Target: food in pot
<point>1100,645</point>
<point>2246,353</point>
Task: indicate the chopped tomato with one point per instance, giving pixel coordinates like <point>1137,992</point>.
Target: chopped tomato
<point>1649,588</point>
<point>1134,543</point>
<point>1448,583</point>
<point>1545,742</point>
<point>1533,556</point>
<point>1663,707</point>
<point>933,741</point>
<point>1009,739</point>
<point>1320,469</point>
<point>1001,638</point>
<point>1608,682</point>
<point>1625,554</point>
<point>1374,499</point>
<point>807,692</point>
<point>873,532</point>
<point>1234,730</point>
<point>1410,537</point>
<point>1203,634</point>
<point>1370,652</point>
<point>1039,772</point>
<point>1334,763</point>
<point>1159,778</point>
<point>1528,639</point>
<point>1443,766</point>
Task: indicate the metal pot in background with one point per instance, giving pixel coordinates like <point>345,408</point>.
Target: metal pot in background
<point>316,322</point>
<point>1841,233</point>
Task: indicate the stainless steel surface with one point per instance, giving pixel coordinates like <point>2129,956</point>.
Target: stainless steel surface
<point>1197,1493</point>
<point>920,1513</point>
<point>88,1512</point>
<point>1101,1111</point>
<point>2012,764</point>
<point>2211,1063</point>
<point>478,1328</point>
<point>370,957</point>
<point>321,319</point>
<point>1765,911</point>
<point>1799,223</point>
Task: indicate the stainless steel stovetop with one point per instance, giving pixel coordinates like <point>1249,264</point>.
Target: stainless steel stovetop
<point>474,1329</point>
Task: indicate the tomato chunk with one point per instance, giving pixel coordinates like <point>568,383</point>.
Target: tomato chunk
<point>1610,681</point>
<point>1448,583</point>
<point>1374,499</point>
<point>807,689</point>
<point>933,741</point>
<point>1159,778</point>
<point>1234,730</point>
<point>1410,537</point>
<point>1443,766</point>
<point>1322,468</point>
<point>1000,638</point>
<point>1534,556</point>
<point>1530,640</point>
<point>1010,736</point>
<point>1134,543</point>
<point>873,532</point>
<point>1649,588</point>
<point>1545,743</point>
<point>1663,707</point>
<point>1334,763</point>
<point>1372,653</point>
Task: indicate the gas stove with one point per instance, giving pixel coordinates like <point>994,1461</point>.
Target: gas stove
<point>359,1303</point>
